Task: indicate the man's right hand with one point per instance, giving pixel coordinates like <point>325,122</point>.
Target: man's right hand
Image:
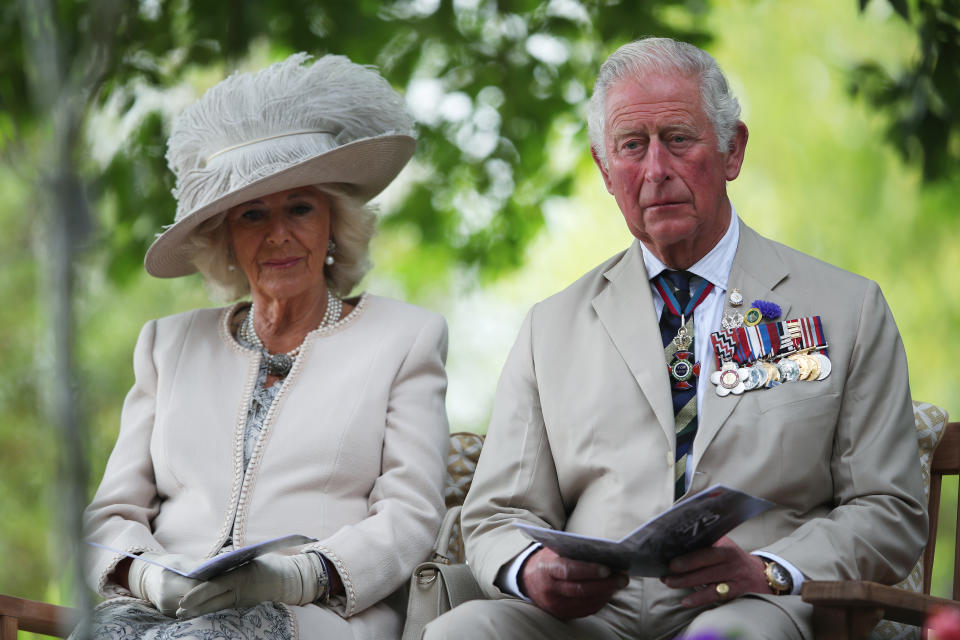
<point>568,589</point>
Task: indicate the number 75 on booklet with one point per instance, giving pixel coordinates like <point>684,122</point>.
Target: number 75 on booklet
<point>691,524</point>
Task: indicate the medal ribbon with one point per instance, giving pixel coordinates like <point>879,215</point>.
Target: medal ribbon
<point>745,345</point>
<point>670,300</point>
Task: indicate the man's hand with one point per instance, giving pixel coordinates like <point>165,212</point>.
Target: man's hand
<point>723,562</point>
<point>568,589</point>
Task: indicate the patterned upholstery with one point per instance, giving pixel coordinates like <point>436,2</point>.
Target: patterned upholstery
<point>929,421</point>
<point>461,463</point>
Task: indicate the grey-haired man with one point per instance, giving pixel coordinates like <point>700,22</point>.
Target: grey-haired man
<point>586,432</point>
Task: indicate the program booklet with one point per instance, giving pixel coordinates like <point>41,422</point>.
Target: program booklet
<point>693,523</point>
<point>224,562</point>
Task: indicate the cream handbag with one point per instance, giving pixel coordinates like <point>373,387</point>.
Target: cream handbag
<point>438,586</point>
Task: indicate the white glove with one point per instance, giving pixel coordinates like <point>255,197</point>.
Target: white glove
<point>161,587</point>
<point>296,579</point>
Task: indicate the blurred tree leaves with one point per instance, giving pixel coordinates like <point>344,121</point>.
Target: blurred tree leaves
<point>923,100</point>
<point>492,80</point>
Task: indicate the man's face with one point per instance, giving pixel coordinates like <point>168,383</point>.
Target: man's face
<point>664,169</point>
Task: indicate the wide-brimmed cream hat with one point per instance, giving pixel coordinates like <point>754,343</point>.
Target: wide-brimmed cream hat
<point>289,125</point>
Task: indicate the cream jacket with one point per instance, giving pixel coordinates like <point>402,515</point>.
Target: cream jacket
<point>352,453</point>
<point>582,434</point>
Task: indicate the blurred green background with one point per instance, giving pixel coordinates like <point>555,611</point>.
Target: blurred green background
<point>852,157</point>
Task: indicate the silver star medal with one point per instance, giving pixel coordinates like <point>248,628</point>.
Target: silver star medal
<point>730,379</point>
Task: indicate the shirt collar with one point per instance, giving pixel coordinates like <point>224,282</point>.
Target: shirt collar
<point>713,267</point>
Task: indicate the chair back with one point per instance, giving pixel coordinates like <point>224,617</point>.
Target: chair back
<point>946,462</point>
<point>20,614</point>
<point>462,459</point>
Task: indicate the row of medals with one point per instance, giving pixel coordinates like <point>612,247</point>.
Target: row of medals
<point>806,367</point>
<point>803,365</point>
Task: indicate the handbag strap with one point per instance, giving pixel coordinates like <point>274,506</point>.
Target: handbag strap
<point>441,547</point>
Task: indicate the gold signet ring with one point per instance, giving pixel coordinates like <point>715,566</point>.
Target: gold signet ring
<point>722,590</point>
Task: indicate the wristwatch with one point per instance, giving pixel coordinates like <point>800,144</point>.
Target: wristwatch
<point>777,577</point>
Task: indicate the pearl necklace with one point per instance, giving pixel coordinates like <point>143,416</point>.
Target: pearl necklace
<point>279,364</point>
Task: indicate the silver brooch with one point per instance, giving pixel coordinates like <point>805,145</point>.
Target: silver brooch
<point>736,298</point>
<point>732,320</point>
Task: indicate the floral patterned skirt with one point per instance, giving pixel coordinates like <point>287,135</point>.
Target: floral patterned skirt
<point>132,619</point>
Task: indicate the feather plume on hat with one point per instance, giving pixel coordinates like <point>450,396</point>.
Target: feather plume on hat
<point>289,125</point>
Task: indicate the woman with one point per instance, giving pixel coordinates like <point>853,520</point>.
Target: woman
<point>299,412</point>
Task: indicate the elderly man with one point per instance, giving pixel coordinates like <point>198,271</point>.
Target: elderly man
<point>601,420</point>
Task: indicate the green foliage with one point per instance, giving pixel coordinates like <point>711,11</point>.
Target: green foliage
<point>133,189</point>
<point>922,101</point>
<point>27,454</point>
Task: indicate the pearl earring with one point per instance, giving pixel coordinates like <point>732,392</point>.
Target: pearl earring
<point>331,249</point>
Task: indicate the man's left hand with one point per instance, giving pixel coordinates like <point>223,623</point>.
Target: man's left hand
<point>724,562</point>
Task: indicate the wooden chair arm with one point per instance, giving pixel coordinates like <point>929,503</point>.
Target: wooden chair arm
<point>35,617</point>
<point>897,604</point>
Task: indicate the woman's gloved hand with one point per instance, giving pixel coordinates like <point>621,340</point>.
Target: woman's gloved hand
<point>161,587</point>
<point>296,579</point>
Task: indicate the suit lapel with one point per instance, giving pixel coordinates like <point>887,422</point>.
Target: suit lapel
<point>756,271</point>
<point>625,308</point>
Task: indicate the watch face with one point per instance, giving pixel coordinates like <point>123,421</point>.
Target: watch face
<point>779,577</point>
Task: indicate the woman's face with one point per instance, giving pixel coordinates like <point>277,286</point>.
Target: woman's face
<point>280,242</point>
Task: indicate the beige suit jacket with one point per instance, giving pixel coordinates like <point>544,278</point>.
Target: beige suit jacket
<point>353,453</point>
<point>582,433</point>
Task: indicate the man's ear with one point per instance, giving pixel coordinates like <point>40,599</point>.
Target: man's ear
<point>738,147</point>
<point>603,169</point>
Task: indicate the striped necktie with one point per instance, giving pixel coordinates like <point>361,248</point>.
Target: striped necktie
<point>674,288</point>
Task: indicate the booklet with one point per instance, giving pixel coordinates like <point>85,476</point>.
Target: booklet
<point>693,523</point>
<point>225,561</point>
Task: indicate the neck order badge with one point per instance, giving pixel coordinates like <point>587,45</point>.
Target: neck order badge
<point>674,288</point>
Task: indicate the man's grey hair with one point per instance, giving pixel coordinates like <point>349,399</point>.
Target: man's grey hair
<point>664,56</point>
<point>352,223</point>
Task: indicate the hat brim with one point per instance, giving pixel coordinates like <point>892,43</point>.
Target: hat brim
<point>365,166</point>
